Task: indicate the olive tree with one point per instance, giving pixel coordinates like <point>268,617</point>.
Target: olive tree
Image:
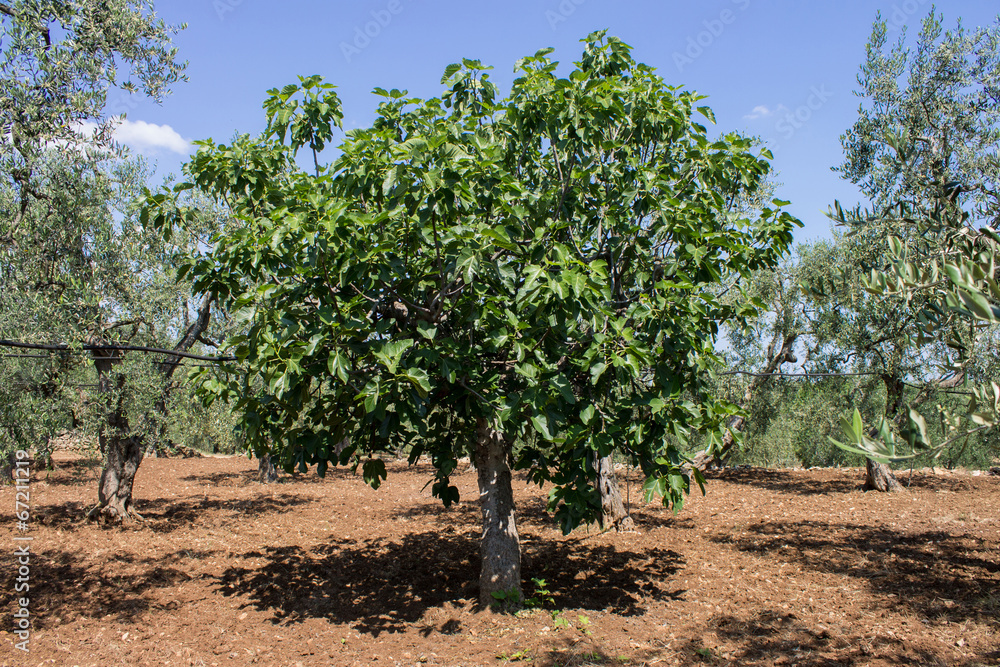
<point>77,267</point>
<point>926,151</point>
<point>474,272</point>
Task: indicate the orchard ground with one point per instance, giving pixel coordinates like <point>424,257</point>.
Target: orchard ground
<point>770,568</point>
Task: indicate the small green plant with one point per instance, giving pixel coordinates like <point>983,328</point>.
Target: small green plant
<point>558,621</point>
<point>704,652</point>
<point>542,597</point>
<point>583,623</point>
<point>521,656</point>
<point>506,600</point>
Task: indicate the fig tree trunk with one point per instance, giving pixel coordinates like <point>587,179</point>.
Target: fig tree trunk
<point>500,546</point>
<point>613,512</point>
<point>266,472</point>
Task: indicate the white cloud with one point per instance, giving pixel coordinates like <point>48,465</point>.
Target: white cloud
<point>141,135</point>
<point>762,111</point>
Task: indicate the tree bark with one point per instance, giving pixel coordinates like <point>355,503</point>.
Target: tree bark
<point>879,477</point>
<point>266,472</point>
<point>114,494</point>
<point>500,547</point>
<point>613,512</point>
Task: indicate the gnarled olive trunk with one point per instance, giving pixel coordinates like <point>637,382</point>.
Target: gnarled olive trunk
<point>613,512</point>
<point>123,453</point>
<point>500,546</point>
<point>879,477</point>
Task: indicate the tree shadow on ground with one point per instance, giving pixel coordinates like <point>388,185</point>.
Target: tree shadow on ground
<point>765,637</point>
<point>532,511</point>
<point>382,586</point>
<point>63,589</point>
<point>934,574</point>
<point>948,483</point>
<point>165,516</point>
<point>249,477</point>
<point>162,515</point>
<point>573,651</point>
<point>785,481</point>
<point>333,473</point>
<point>770,637</point>
<point>77,472</point>
<point>796,483</point>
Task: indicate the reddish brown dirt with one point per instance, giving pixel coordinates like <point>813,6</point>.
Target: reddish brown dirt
<point>771,568</point>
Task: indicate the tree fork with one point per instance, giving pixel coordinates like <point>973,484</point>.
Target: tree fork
<point>123,452</point>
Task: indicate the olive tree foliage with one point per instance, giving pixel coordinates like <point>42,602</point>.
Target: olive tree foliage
<point>62,184</point>
<point>474,272</point>
<point>926,152</point>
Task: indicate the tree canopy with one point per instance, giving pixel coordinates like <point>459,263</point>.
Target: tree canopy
<point>546,266</point>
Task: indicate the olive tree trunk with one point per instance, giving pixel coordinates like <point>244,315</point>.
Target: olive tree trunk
<point>122,459</point>
<point>705,460</point>
<point>123,450</point>
<point>7,469</point>
<point>613,512</point>
<point>879,476</point>
<point>500,546</point>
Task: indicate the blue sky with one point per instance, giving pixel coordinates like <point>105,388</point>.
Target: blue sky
<point>783,70</point>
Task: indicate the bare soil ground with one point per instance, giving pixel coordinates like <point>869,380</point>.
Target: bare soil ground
<point>771,568</point>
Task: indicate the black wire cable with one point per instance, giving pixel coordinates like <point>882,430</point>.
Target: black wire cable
<point>113,348</point>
